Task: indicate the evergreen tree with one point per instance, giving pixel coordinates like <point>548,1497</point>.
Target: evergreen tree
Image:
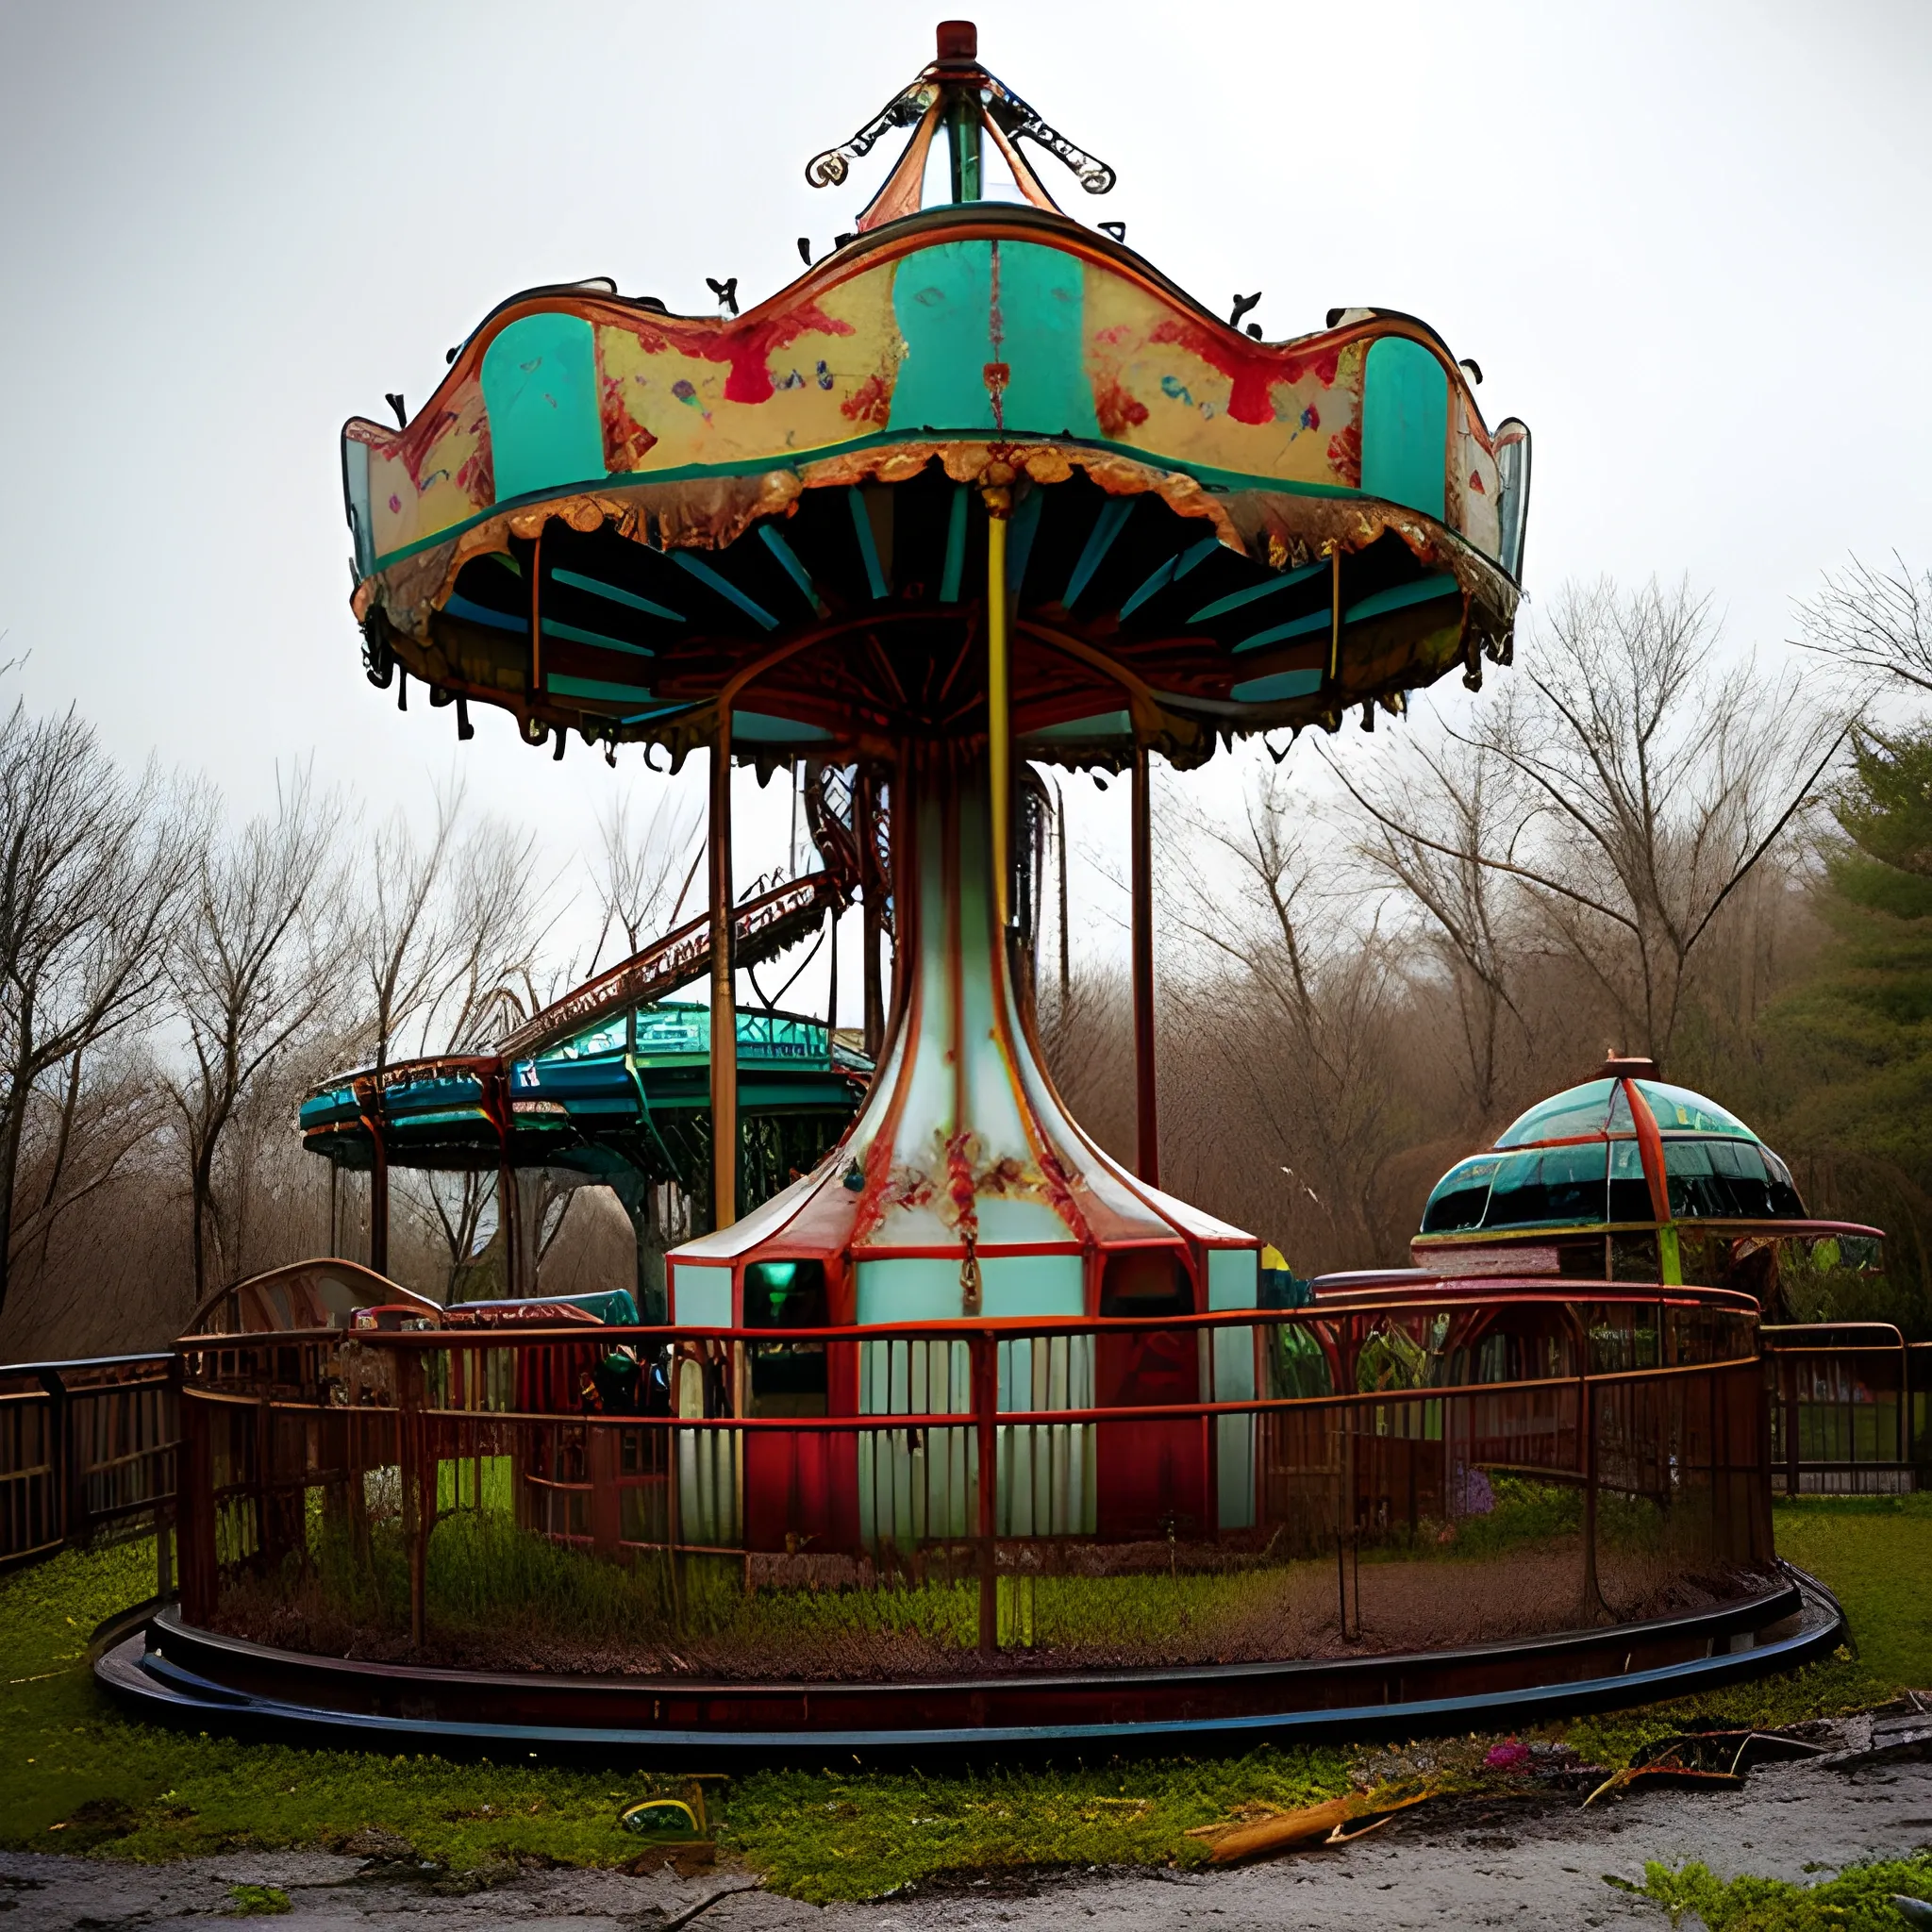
<point>1856,1039</point>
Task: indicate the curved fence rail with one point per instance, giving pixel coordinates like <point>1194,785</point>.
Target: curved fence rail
<point>912,1500</point>
<point>86,1449</point>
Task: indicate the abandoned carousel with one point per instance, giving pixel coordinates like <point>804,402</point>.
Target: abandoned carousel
<point>945,1427</point>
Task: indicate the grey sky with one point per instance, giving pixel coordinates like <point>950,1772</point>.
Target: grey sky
<point>1687,243</point>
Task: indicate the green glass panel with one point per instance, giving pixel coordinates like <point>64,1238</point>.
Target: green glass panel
<point>1680,1111</point>
<point>1562,1117</point>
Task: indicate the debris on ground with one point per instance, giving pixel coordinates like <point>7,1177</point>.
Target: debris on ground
<point>665,1818</point>
<point>1900,1730</point>
<point>1695,1759</point>
<point>1239,1838</point>
<point>375,1841</point>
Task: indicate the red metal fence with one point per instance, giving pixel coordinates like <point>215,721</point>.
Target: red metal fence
<point>1219,1487</point>
<point>86,1449</point>
<point>1851,1409</point>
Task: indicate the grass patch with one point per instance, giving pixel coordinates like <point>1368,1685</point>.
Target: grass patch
<point>824,1837</point>
<point>117,1788</point>
<point>1874,1552</point>
<point>76,1775</point>
<point>1857,1900</point>
<point>257,1901</point>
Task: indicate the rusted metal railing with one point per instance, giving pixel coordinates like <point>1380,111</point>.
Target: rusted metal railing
<point>87,1450</point>
<point>995,1456</point>
<point>1849,1409</point>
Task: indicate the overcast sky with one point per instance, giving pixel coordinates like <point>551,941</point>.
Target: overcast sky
<point>1687,243</point>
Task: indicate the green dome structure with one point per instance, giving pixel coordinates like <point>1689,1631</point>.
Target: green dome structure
<point>1627,1178</point>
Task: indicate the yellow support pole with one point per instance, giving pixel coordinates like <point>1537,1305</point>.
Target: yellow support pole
<point>999,722</point>
<point>723,988</point>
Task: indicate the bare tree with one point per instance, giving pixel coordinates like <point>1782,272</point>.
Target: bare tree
<point>1467,795</point>
<point>92,867</point>
<point>86,1125</point>
<point>1874,624</point>
<point>645,868</point>
<point>1295,1015</point>
<point>1654,782</point>
<point>403,948</point>
<point>455,953</point>
<point>255,967</point>
<point>449,929</point>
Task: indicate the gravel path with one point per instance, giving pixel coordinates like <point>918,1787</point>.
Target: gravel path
<point>1529,1861</point>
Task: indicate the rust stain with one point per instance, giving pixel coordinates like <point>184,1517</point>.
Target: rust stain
<point>1345,456</point>
<point>1118,408</point>
<point>626,441</point>
<point>871,402</point>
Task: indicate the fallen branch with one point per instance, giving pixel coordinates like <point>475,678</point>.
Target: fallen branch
<point>704,1905</point>
<point>1316,1822</point>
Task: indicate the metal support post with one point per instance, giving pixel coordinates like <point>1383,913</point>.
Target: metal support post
<point>724,989</point>
<point>1146,1097</point>
<point>986,1396</point>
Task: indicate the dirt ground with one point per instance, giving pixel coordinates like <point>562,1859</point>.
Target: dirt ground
<point>1533,1860</point>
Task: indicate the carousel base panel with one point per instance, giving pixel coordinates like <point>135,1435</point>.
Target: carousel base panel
<point>171,1672</point>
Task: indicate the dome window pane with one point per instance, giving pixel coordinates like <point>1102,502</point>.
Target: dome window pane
<point>1564,1116</point>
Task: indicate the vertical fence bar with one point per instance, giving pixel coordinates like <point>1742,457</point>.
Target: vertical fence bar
<point>195,1514</point>
<point>417,1517</point>
<point>986,1416</point>
<point>1586,1409</point>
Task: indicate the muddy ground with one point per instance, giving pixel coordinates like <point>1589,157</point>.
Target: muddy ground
<point>1524,1861</point>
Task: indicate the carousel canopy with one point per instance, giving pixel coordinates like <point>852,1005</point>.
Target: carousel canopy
<point>628,523</point>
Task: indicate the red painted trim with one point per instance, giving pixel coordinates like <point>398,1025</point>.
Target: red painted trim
<point>1650,1147</point>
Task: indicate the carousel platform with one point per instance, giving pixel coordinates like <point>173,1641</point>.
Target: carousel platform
<point>171,1672</point>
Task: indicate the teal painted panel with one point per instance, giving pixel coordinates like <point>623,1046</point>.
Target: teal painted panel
<point>701,1296</point>
<point>907,1289</point>
<point>1234,1281</point>
<point>1044,304</point>
<point>1424,591</point>
<point>1239,599</point>
<point>760,728</point>
<point>1305,626</point>
<point>1077,730</point>
<point>1283,684</point>
<point>355,487</point>
<point>577,634</point>
<point>540,386</point>
<point>942,300</point>
<point>611,593</point>
<point>1015,1285</point>
<point>563,687</point>
<point>1405,425</point>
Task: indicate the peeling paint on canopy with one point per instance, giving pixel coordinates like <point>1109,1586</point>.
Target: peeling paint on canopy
<point>987,343</point>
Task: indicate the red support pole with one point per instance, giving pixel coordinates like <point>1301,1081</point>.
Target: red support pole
<point>1146,1105</point>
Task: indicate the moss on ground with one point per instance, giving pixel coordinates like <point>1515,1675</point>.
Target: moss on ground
<point>1857,1900</point>
<point>76,1775</point>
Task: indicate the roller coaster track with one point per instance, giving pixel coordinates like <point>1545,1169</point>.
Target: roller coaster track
<point>762,926</point>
